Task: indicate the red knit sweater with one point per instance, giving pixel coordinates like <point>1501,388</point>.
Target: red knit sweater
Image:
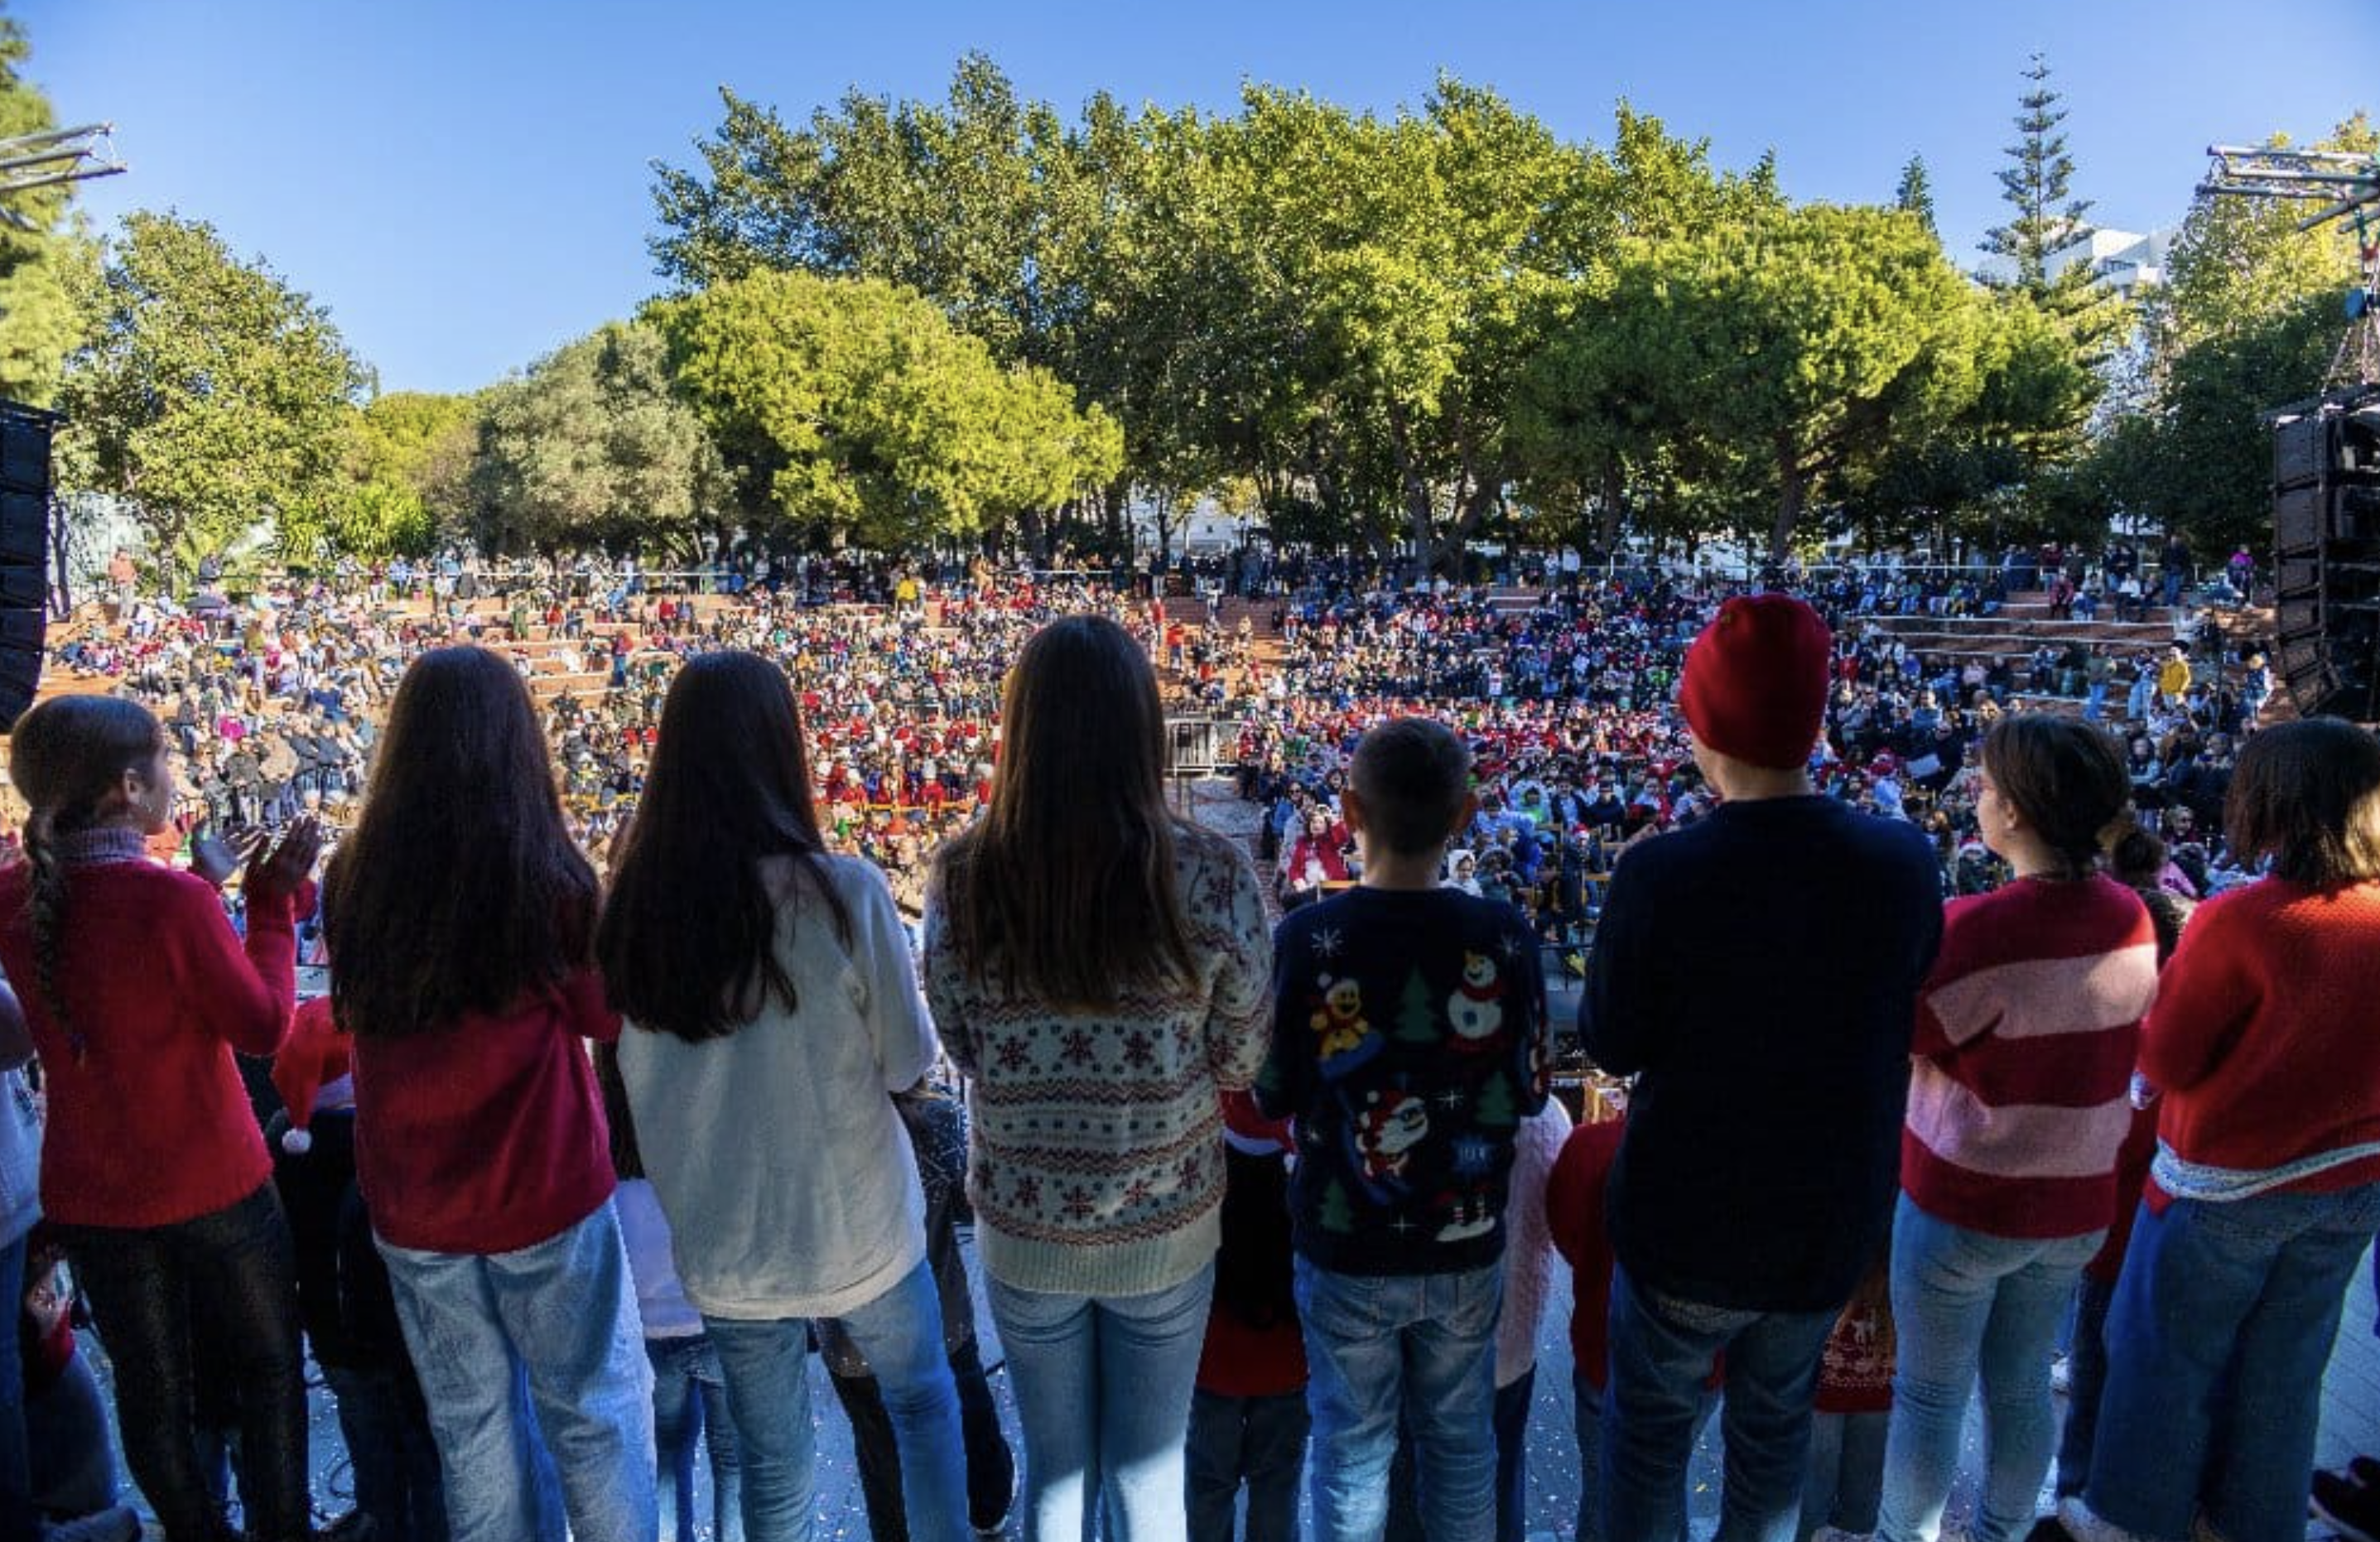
<point>486,1136</point>
<point>2262,1040</point>
<point>151,1126</point>
<point>2020,1093</point>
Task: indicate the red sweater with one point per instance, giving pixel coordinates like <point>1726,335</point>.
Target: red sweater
<point>486,1136</point>
<point>152,1126</point>
<point>2020,1093</point>
<point>1574,1217</point>
<point>2262,1042</point>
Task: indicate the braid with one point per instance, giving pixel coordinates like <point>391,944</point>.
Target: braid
<point>45,902</point>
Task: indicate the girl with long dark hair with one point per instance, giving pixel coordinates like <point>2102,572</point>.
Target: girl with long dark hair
<point>1100,971</point>
<point>778,1011</point>
<point>461,924</point>
<point>153,1170</point>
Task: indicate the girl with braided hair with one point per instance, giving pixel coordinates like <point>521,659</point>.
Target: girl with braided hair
<point>153,1170</point>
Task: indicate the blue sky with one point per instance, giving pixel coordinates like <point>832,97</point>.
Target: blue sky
<point>466,185</point>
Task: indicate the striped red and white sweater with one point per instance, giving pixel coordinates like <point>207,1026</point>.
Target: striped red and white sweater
<point>2027,1029</point>
<point>1095,1140</point>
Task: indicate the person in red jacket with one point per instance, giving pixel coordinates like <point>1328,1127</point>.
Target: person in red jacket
<point>155,1172</point>
<point>2264,1191</point>
<point>461,920</point>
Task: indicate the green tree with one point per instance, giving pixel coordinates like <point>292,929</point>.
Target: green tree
<point>591,447</point>
<point>854,410</point>
<point>1495,1109</point>
<point>408,462</point>
<point>48,266</point>
<point>1417,1016</point>
<point>211,395</point>
<point>2037,184</point>
<point>1916,193</point>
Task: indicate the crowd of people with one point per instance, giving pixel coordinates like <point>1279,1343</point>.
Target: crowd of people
<point>1258,1143</point>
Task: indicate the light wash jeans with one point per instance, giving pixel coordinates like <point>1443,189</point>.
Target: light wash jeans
<point>1104,1387</point>
<point>1423,1346</point>
<point>1661,1353</point>
<point>769,1398</point>
<point>1963,1304</point>
<point>2222,1321</point>
<point>561,1315</point>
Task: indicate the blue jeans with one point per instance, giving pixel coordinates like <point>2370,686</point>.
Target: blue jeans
<point>1846,1479</point>
<point>2222,1323</point>
<point>1259,1441</point>
<point>562,1317</point>
<point>1661,1353</point>
<point>690,1405</point>
<point>1965,1302</point>
<point>767,1365</point>
<point>1512,1422</point>
<point>1104,1387</point>
<point>1421,1346</point>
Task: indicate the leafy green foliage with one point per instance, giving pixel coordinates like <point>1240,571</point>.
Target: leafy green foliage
<point>47,272</point>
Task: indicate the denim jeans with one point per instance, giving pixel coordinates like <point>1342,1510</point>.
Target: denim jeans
<point>1416,1348</point>
<point>386,1427</point>
<point>225,1279</point>
<point>2222,1324</point>
<point>1104,1387</point>
<point>876,1451</point>
<point>690,1405</point>
<point>1511,1423</point>
<point>769,1401</point>
<point>1966,1304</point>
<point>1259,1441</point>
<point>2086,1378</point>
<point>1661,1353</point>
<point>16,1517</point>
<point>560,1318</point>
<point>1846,1480</point>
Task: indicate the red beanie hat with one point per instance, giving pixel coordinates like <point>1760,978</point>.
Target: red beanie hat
<point>317,1053</point>
<point>1755,686</point>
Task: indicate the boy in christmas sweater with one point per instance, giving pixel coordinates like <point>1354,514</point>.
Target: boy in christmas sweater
<point>1409,1042</point>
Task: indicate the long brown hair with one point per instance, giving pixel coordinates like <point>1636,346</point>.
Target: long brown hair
<point>66,756</point>
<point>688,935</point>
<point>2308,794</point>
<point>460,889</point>
<point>1064,892</point>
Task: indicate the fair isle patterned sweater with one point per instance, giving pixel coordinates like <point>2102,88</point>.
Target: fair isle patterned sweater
<point>1095,1160</point>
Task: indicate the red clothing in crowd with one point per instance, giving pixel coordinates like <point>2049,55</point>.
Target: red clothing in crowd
<point>151,1126</point>
<point>2027,1031</point>
<point>1574,1218</point>
<point>2261,1042</point>
<point>486,1135</point>
<point>1855,1371</point>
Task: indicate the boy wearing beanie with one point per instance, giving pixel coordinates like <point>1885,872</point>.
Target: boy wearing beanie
<point>1757,974</point>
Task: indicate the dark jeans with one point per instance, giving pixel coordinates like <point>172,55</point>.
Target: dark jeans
<point>1512,1422</point>
<point>227,1276</point>
<point>16,1466</point>
<point>690,1402</point>
<point>1260,1441</point>
<point>990,1465</point>
<point>2086,1371</point>
<point>386,1426</point>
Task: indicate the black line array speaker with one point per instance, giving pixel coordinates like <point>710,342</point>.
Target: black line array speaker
<point>24,552</point>
<point>2326,552</point>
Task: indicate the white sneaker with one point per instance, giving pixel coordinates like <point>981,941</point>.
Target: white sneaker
<point>119,1525</point>
<point>2084,1525</point>
<point>2061,1375</point>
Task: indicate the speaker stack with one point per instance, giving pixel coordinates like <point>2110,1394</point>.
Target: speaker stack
<point>24,552</point>
<point>2326,550</point>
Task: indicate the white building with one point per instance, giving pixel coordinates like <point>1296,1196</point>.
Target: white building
<point>2123,260</point>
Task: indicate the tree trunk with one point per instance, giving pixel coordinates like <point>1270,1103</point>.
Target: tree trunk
<point>1792,490</point>
<point>1611,519</point>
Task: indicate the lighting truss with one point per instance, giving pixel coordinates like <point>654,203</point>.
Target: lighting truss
<point>47,160</point>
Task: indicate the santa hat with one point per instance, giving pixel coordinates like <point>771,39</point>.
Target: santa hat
<point>1755,685</point>
<point>1246,1129</point>
<point>312,1071</point>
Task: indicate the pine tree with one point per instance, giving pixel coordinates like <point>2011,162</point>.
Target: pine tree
<point>1416,1019</point>
<point>2036,184</point>
<point>1916,194</point>
<point>1495,1107</point>
<point>1336,1215</point>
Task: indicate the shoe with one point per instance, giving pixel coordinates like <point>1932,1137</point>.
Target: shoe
<point>2078,1522</point>
<point>119,1524</point>
<point>2365,1470</point>
<point>2062,1375</point>
<point>354,1526</point>
<point>2353,1510</point>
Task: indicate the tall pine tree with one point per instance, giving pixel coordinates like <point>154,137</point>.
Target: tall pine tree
<point>2036,183</point>
<point>1916,194</point>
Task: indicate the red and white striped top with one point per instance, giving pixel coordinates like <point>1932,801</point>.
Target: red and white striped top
<point>2027,1031</point>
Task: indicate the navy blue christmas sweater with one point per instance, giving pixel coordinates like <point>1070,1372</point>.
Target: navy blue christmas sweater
<point>1409,1042</point>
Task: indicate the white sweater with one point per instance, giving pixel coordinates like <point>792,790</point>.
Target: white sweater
<point>784,1171</point>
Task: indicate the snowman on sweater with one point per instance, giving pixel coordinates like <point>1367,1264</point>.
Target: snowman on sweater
<point>1475,1010</point>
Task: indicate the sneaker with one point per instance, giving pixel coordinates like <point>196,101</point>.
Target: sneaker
<point>119,1525</point>
<point>354,1526</point>
<point>2353,1510</point>
<point>2365,1470</point>
<point>2062,1375</point>
<point>2077,1521</point>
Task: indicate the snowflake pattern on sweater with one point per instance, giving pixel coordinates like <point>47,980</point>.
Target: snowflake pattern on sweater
<point>1095,1139</point>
